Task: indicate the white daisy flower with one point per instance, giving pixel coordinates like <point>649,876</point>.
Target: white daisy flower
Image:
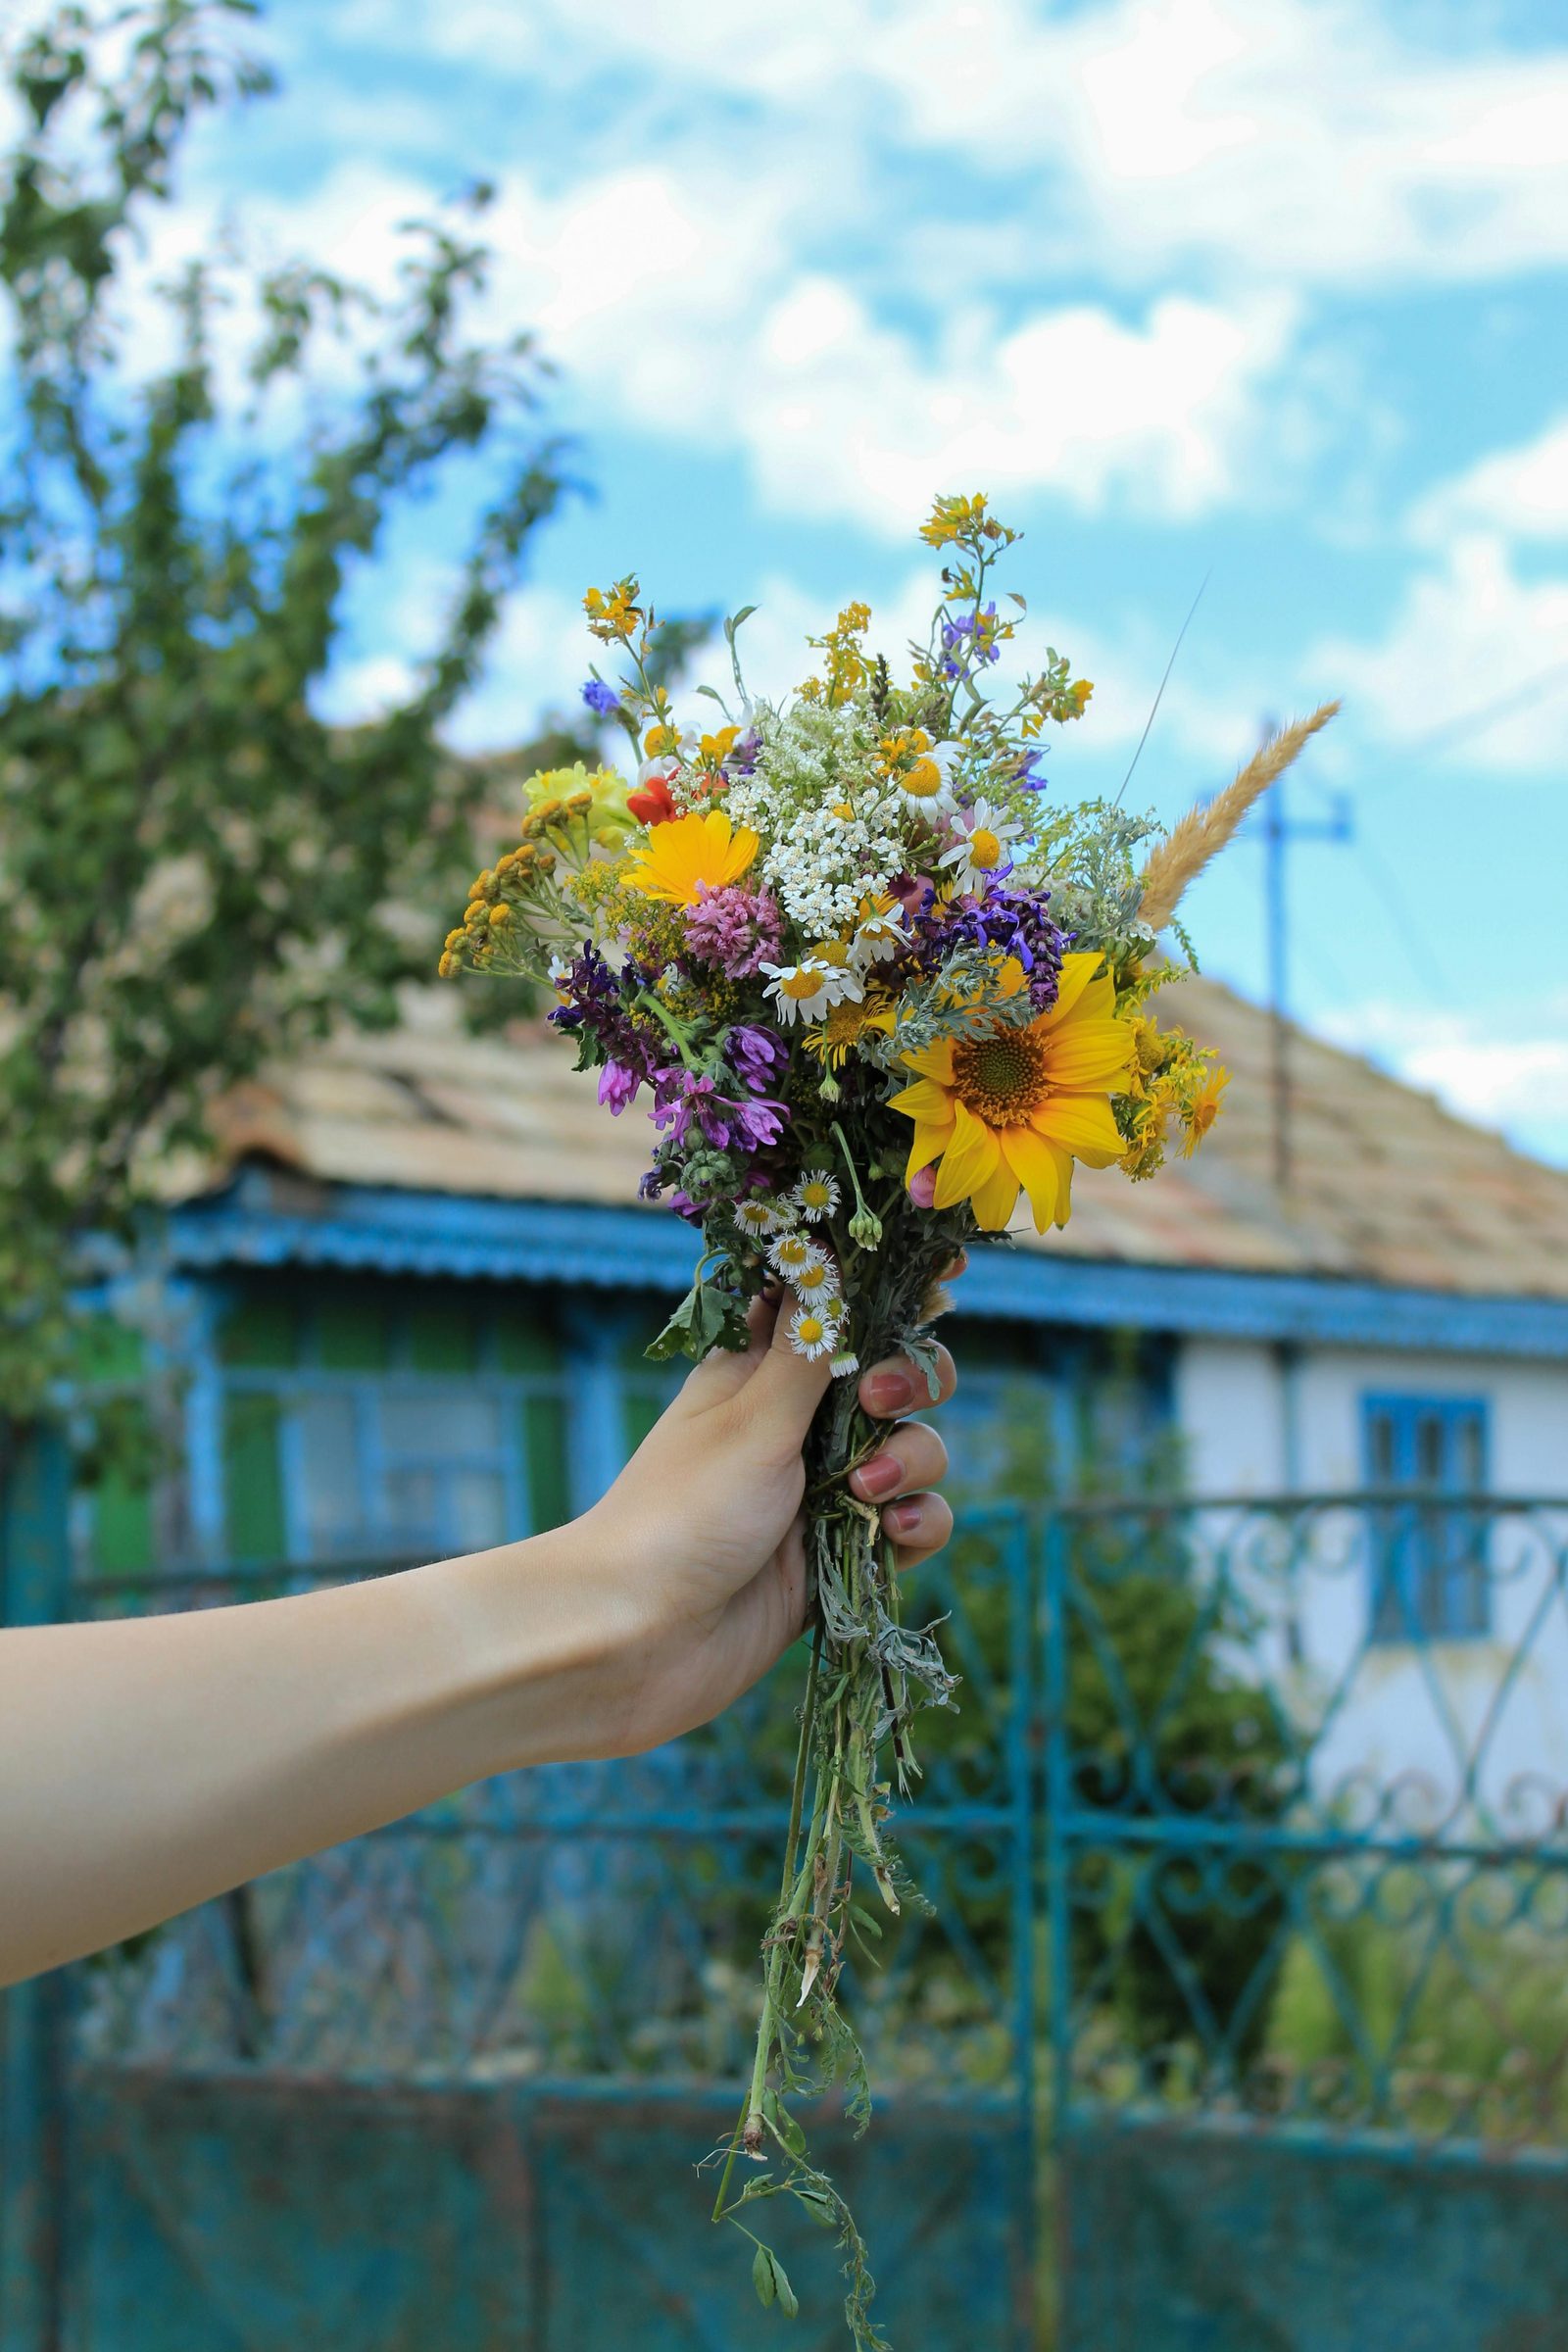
<point>793,1252</point>
<point>809,989</point>
<point>880,932</point>
<point>925,789</point>
<point>984,836</point>
<point>811,1333</point>
<point>815,1286</point>
<point>843,1363</point>
<point>760,1217</point>
<point>816,1196</point>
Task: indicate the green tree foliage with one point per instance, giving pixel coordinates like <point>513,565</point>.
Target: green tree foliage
<point>197,873</point>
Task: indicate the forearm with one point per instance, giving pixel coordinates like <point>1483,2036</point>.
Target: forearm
<point>146,1764</point>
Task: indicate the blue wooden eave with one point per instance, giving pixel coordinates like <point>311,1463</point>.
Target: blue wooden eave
<point>262,1221</point>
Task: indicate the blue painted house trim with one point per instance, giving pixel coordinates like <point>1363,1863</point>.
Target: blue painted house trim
<point>264,1222</point>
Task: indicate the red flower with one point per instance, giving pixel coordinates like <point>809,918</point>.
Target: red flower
<point>651,803</point>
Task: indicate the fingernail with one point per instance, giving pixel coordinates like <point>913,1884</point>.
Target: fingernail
<point>889,1392</point>
<point>902,1517</point>
<point>879,1476</point>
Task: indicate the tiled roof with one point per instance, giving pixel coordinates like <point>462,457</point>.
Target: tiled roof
<point>1387,1186</point>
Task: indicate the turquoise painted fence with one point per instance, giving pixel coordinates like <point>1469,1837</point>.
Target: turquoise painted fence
<point>1252,1822</point>
<point>1306,1853</point>
<point>449,2088</point>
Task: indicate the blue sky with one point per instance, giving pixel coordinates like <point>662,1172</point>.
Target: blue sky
<point>1266,291</point>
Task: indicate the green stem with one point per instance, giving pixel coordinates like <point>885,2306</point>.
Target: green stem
<point>789,1892</point>
<point>667,1019</point>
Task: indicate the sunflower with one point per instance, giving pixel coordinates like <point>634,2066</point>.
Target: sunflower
<point>682,857</point>
<point>1017,1106</point>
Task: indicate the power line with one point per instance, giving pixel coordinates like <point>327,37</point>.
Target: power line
<point>1466,724</point>
<point>1423,961</point>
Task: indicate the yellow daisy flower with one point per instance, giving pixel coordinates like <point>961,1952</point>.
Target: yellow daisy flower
<point>1017,1106</point>
<point>703,848</point>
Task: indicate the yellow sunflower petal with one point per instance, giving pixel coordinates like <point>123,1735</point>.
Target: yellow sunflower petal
<point>923,1100</point>
<point>997,1198</point>
<point>1034,1163</point>
<point>928,1145</point>
<point>1089,1054</point>
<point>1083,1125</point>
<point>1077,971</point>
<point>967,1161</point>
<point>933,1062</point>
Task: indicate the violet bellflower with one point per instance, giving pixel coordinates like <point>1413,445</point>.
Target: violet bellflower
<point>755,1055</point>
<point>600,698</point>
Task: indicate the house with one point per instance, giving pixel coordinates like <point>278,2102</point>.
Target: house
<point>406,1316</point>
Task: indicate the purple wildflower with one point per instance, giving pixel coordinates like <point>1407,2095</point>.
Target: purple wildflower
<point>734,929</point>
<point>684,1098</point>
<point>618,1085</point>
<point>596,1003</point>
<point>1011,920</point>
<point>755,1055</point>
<point>600,698</point>
<point>970,640</point>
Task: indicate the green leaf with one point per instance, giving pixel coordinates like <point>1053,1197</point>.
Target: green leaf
<point>705,1318</point>
<point>817,2202</point>
<point>772,2282</point>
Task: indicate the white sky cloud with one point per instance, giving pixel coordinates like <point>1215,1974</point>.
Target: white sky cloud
<point>1470,633</point>
<point>1296,139</point>
<point>1522,491</point>
<point>1511,1074</point>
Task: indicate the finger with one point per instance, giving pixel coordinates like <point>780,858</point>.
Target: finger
<point>895,1386</point>
<point>786,1386</point>
<point>916,1526</point>
<point>914,1456</point>
<point>724,1370</point>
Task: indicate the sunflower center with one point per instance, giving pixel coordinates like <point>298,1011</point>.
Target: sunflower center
<point>1002,1078</point>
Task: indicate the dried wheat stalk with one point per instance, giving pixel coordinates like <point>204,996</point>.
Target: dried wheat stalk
<point>1190,845</point>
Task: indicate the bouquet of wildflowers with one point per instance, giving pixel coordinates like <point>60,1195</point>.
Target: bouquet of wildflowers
<point>879,990</point>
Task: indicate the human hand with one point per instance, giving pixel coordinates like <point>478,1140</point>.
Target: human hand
<point>698,1549</point>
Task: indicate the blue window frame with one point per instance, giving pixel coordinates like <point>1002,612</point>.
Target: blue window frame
<point>1429,1569</point>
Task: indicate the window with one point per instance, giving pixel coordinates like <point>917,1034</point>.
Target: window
<point>366,1421</point>
<point>1429,1572</point>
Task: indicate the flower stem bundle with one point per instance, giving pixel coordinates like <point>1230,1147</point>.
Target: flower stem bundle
<point>879,990</point>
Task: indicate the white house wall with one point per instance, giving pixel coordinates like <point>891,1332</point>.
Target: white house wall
<point>1414,1719</point>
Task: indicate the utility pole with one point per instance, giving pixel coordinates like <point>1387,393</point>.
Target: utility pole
<point>1279,831</point>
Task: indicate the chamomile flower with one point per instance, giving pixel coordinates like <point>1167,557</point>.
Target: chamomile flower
<point>793,1252</point>
<point>984,836</point>
<point>760,1217</point>
<point>816,1286</point>
<point>811,1333</point>
<point>879,932</point>
<point>816,1196</point>
<point>844,1362</point>
<point>925,786</point>
<point>807,990</point>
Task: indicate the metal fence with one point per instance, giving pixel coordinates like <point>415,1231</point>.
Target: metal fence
<point>1252,1822</point>
<point>1307,1863</point>
<point>447,2087</point>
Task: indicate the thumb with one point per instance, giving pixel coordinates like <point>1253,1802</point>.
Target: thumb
<point>787,1386</point>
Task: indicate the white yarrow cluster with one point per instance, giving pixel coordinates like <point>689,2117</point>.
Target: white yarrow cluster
<point>832,832</point>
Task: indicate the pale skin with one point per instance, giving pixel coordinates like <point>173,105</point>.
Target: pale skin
<point>149,1763</point>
